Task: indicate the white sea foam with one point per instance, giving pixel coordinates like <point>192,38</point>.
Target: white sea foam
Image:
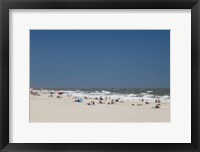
<point>165,97</point>
<point>104,93</point>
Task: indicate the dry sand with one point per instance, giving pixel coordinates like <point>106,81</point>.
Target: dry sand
<point>65,109</point>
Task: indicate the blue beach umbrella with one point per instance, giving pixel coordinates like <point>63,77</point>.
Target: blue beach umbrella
<point>79,99</point>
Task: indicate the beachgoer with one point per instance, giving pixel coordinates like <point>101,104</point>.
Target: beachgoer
<point>158,106</point>
<point>106,98</point>
<point>101,98</point>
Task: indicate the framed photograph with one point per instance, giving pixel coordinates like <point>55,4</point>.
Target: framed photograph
<point>99,75</point>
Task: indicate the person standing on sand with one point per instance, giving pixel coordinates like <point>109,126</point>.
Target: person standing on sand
<point>106,98</point>
<point>101,98</point>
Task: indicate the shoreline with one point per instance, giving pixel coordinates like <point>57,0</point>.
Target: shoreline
<point>44,108</point>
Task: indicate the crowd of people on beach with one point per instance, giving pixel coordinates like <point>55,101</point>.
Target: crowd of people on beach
<point>34,93</point>
<point>101,100</point>
<point>97,100</point>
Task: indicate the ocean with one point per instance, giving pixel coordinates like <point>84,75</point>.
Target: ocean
<point>150,94</point>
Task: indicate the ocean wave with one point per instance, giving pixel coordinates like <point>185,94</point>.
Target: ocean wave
<point>150,96</point>
<point>165,97</point>
<point>105,92</point>
<point>132,95</point>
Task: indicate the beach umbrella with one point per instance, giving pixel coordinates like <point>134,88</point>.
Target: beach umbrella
<point>51,92</point>
<point>60,93</point>
<point>79,99</point>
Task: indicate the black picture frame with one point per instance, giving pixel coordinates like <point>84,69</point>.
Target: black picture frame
<point>5,5</point>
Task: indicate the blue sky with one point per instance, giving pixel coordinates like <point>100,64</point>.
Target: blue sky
<point>100,58</point>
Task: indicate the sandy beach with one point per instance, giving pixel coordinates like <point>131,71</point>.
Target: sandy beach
<point>52,109</point>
